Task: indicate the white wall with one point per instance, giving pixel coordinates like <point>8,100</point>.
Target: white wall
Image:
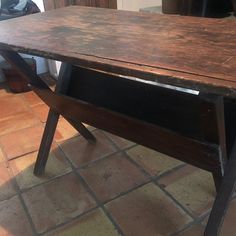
<point>39,4</point>
<point>135,5</point>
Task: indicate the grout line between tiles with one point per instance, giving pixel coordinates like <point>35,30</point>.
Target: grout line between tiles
<point>24,190</point>
<point>151,177</point>
<point>68,221</point>
<point>90,191</point>
<point>97,160</point>
<point>195,220</point>
<point>28,216</point>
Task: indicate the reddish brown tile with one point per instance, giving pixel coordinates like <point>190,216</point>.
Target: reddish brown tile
<point>22,141</point>
<point>32,99</point>
<point>112,176</point>
<point>153,162</point>
<point>17,122</point>
<point>81,152</point>
<point>196,230</point>
<point>6,187</point>
<point>23,167</point>
<point>91,224</point>
<point>229,228</point>
<point>13,219</point>
<point>147,211</point>
<point>41,111</point>
<point>10,105</point>
<point>120,142</point>
<point>65,131</point>
<point>57,201</point>
<point>192,187</point>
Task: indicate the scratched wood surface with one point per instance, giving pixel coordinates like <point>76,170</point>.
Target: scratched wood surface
<point>185,51</point>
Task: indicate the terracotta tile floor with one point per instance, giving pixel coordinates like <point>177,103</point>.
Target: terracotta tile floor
<point>113,187</point>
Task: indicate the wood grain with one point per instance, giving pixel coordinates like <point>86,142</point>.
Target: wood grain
<point>185,51</point>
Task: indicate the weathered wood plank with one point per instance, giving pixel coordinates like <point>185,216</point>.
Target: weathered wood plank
<point>190,51</point>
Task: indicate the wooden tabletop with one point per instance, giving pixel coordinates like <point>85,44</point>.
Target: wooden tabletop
<point>192,52</point>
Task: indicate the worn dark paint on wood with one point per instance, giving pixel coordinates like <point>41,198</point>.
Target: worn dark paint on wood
<point>196,53</point>
<point>185,51</point>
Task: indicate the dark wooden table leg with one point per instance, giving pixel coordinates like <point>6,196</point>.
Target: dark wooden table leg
<point>46,142</point>
<point>52,120</point>
<point>51,123</point>
<point>223,197</point>
<point>213,123</point>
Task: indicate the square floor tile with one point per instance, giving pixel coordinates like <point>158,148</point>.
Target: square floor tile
<point>22,141</point>
<point>32,99</point>
<point>56,202</point>
<point>153,162</point>
<point>13,221</point>
<point>113,176</point>
<point>120,142</point>
<point>147,211</point>
<point>19,121</point>
<point>94,223</point>
<point>192,187</point>
<point>64,131</point>
<point>81,152</point>
<point>7,189</point>
<point>196,230</point>
<point>23,168</point>
<point>10,105</point>
<point>41,111</point>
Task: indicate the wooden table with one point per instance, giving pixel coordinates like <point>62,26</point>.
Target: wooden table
<point>113,64</point>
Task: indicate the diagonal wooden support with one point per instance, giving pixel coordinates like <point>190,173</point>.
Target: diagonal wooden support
<point>40,88</point>
<point>52,120</point>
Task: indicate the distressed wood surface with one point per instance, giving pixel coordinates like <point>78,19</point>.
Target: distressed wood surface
<point>185,51</point>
